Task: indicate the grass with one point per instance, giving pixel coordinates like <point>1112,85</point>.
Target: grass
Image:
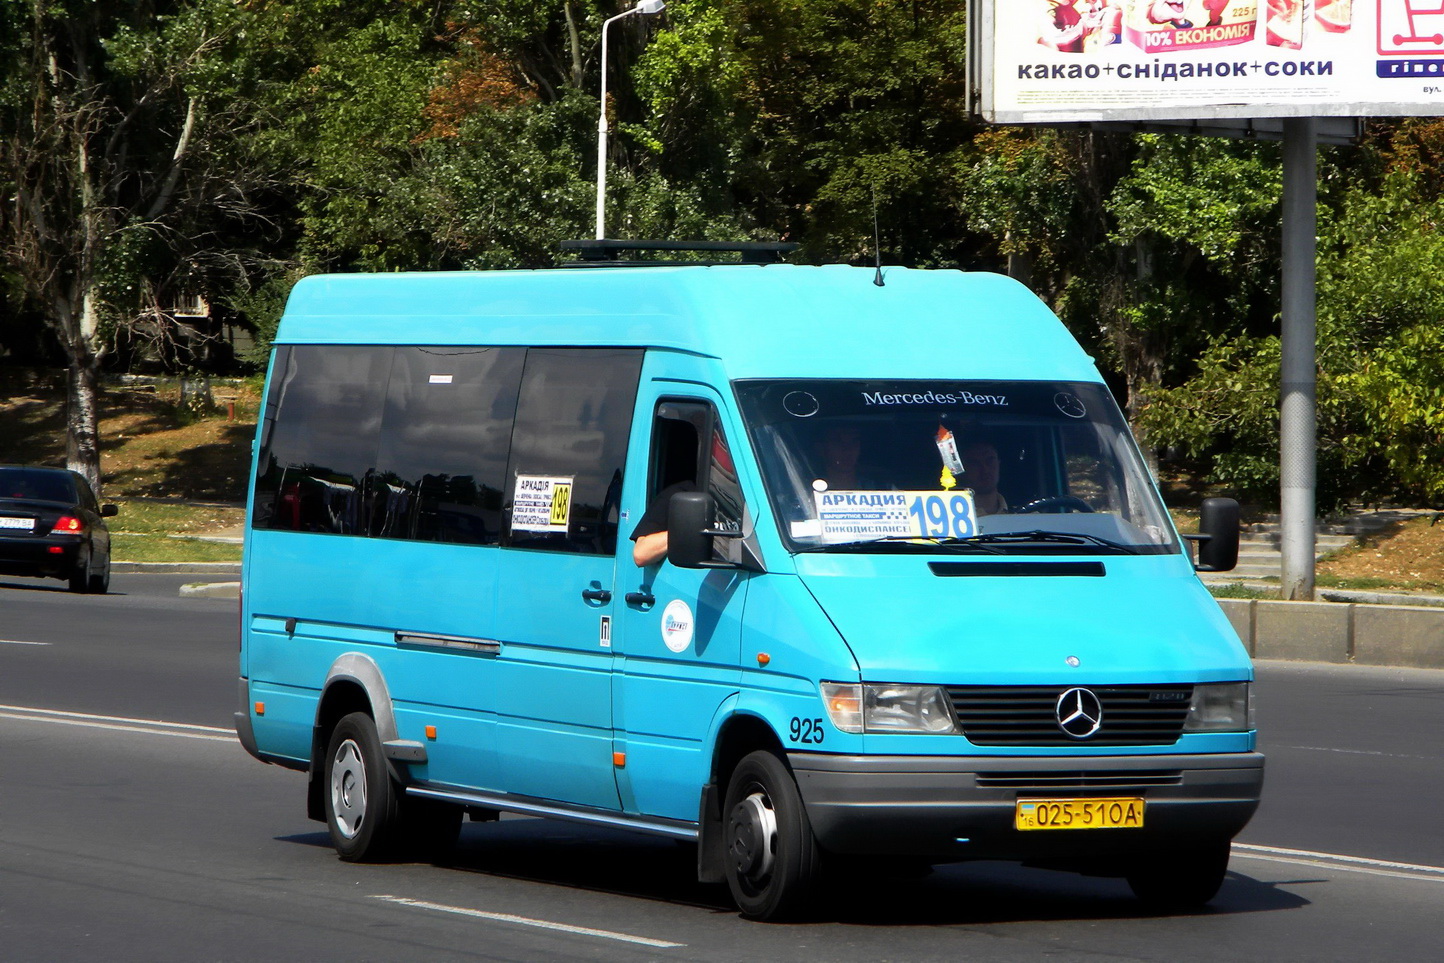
<point>148,531</point>
<point>170,470</point>
<point>140,548</point>
<point>1365,584</point>
<point>1235,591</point>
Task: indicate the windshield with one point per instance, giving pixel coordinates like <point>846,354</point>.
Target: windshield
<point>1015,467</point>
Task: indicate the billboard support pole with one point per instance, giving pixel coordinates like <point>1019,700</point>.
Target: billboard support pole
<point>1297,412</point>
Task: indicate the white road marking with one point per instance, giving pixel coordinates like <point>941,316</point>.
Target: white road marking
<point>18,642</point>
<point>153,727</point>
<point>528,921</point>
<point>1359,752</point>
<point>185,730</point>
<point>1357,864</point>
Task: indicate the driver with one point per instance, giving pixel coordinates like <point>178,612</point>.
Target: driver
<point>980,473</point>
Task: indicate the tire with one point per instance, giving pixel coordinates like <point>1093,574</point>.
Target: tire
<point>771,859</point>
<point>80,577</point>
<point>1180,879</point>
<point>100,584</point>
<point>362,802</point>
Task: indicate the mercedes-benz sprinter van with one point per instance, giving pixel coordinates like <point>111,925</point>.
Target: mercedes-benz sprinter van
<point>777,559</point>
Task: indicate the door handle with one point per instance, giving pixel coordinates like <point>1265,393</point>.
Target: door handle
<point>641,598</point>
<point>597,595</point>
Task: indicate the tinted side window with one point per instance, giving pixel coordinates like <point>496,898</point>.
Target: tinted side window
<point>323,424</point>
<point>677,457</point>
<point>572,422</point>
<point>445,438</point>
<point>725,489</point>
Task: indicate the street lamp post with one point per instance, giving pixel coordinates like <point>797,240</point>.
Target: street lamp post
<point>647,8</point>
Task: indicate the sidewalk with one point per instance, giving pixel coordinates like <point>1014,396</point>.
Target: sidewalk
<point>1260,557</point>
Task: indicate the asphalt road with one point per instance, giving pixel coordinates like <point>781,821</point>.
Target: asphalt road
<point>133,827</point>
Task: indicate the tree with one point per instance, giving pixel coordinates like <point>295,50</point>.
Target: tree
<point>1380,357</point>
<point>117,137</point>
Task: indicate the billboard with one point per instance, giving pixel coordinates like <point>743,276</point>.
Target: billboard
<point>1051,61</point>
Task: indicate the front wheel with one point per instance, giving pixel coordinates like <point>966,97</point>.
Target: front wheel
<point>1180,879</point>
<point>363,804</point>
<point>772,856</point>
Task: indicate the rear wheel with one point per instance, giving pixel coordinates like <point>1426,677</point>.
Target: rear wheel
<point>1180,879</point>
<point>362,802</point>
<point>80,576</point>
<point>772,857</point>
<point>100,583</point>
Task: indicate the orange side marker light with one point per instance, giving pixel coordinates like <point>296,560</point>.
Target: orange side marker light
<point>260,708</point>
<point>763,658</point>
<point>431,732</point>
<point>619,759</point>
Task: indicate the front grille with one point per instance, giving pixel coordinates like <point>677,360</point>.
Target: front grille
<point>1133,715</point>
<point>1052,780</point>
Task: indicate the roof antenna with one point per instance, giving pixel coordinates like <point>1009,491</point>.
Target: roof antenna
<point>876,241</point>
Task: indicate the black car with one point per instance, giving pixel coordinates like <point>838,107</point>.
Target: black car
<point>52,527</point>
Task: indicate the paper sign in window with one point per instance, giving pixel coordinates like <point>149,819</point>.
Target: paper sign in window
<point>846,516</point>
<point>541,503</point>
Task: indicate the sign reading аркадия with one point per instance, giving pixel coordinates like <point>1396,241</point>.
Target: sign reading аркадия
<point>1049,61</point>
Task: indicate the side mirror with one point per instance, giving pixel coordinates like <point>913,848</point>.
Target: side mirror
<point>1217,535</point>
<point>108,511</point>
<point>689,524</point>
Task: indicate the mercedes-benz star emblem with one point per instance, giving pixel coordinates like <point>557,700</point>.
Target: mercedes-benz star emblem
<point>1079,712</point>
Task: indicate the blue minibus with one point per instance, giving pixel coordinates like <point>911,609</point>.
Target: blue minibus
<point>797,566</point>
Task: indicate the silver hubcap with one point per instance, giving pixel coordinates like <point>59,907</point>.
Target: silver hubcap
<point>348,788</point>
<point>753,834</point>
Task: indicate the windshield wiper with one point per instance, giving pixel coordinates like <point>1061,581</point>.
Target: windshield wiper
<point>960,546</point>
<point>1057,538</point>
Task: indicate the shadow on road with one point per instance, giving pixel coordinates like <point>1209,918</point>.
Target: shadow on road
<point>599,860</point>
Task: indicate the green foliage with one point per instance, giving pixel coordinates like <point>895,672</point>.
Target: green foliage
<point>262,304</point>
<point>1019,188</point>
<point>337,135</point>
<point>842,99</point>
<point>1380,357</point>
<point>1217,200</point>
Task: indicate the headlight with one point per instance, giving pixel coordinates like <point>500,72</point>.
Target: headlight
<point>888,708</point>
<point>1221,707</point>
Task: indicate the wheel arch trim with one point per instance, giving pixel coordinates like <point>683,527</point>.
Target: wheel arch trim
<point>362,670</point>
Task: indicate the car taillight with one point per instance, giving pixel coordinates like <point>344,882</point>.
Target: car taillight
<point>67,525</point>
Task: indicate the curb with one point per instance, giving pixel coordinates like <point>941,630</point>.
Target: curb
<point>1333,594</point>
<point>176,568</point>
<point>1349,633</point>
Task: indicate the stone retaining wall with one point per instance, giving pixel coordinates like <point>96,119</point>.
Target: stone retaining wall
<point>1403,635</point>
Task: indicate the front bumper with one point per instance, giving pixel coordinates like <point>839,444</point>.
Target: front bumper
<point>958,808</point>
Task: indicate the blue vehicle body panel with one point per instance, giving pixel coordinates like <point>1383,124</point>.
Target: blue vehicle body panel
<point>1149,620</point>
<point>581,700</point>
<point>763,322</point>
<point>553,696</point>
<point>665,701</point>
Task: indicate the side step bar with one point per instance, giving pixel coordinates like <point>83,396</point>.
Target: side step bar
<point>651,825</point>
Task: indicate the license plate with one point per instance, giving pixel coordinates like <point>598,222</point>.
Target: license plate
<point>1119,813</point>
<point>23,524</point>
